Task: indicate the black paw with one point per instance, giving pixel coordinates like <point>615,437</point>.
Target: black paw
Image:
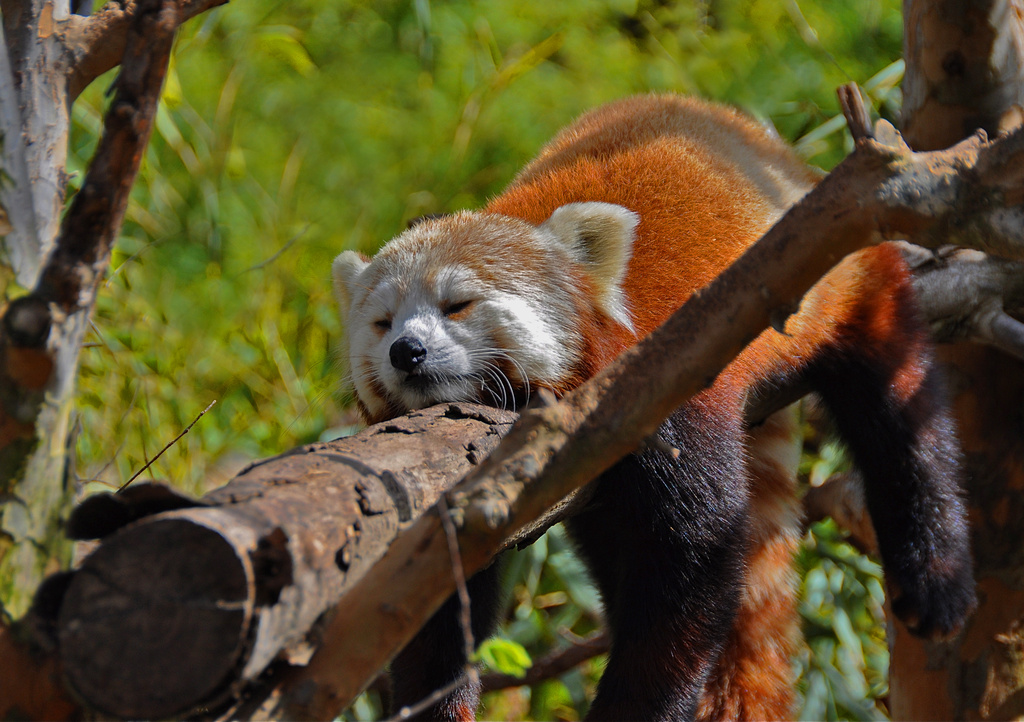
<point>936,603</point>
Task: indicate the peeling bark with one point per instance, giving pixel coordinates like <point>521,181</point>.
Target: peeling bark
<point>21,244</point>
<point>37,57</point>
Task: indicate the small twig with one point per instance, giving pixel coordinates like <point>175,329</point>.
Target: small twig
<point>857,118</point>
<point>470,675</point>
<point>459,573</point>
<point>169,445</point>
<point>137,254</point>
<point>277,254</point>
<point>429,701</point>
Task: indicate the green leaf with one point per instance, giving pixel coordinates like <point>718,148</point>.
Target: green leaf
<point>505,656</point>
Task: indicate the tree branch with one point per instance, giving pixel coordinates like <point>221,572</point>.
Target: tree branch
<point>857,119</point>
<point>243,574</point>
<point>94,218</point>
<point>96,43</point>
<point>968,295</point>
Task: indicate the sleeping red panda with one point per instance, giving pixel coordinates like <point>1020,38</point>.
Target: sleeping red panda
<point>619,220</point>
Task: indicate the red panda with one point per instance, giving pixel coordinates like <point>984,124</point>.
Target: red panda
<point>623,216</point>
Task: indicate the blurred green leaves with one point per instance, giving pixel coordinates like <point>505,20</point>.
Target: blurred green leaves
<point>291,131</point>
<point>845,668</point>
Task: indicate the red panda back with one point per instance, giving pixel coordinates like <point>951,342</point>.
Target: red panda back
<point>705,181</point>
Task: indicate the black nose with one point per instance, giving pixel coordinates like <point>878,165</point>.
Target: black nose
<point>407,353</point>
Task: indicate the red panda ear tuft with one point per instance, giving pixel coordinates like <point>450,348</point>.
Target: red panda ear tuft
<point>600,237</point>
<point>346,270</point>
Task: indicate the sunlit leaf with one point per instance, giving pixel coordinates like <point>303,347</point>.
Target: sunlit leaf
<point>505,656</point>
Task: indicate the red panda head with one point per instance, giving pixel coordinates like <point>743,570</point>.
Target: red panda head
<point>480,307</point>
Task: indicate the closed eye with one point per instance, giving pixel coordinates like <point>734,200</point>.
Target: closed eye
<point>452,309</point>
<point>383,324</point>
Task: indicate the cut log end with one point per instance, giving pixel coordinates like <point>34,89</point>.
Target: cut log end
<point>157,619</point>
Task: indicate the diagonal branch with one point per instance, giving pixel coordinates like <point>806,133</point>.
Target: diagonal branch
<point>879,192</point>
<point>94,218</point>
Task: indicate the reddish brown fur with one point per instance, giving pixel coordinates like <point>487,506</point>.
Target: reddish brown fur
<point>697,176</point>
<point>706,183</point>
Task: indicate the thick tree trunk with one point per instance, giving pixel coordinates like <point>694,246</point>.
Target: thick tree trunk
<point>964,71</point>
<point>33,432</point>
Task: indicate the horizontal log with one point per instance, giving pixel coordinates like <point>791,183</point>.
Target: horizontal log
<point>185,601</point>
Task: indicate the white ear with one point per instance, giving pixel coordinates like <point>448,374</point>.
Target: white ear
<point>600,236</point>
<point>346,270</point>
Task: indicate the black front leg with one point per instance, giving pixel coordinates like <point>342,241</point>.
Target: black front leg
<point>665,538</point>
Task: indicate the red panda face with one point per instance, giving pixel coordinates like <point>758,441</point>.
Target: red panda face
<point>479,307</point>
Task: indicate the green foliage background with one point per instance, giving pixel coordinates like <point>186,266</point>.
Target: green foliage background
<point>291,131</point>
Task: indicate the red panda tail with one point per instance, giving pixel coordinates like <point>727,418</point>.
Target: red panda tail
<point>880,382</point>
